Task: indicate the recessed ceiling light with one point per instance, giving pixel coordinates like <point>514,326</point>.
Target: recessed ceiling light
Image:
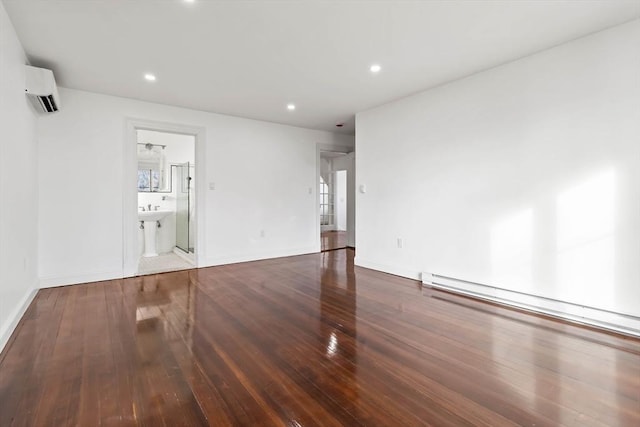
<point>291,107</point>
<point>375,68</point>
<point>189,1</point>
<point>150,77</point>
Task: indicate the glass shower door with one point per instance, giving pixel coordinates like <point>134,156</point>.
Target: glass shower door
<point>183,196</point>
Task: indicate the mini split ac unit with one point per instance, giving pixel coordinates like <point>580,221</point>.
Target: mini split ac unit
<point>41,88</point>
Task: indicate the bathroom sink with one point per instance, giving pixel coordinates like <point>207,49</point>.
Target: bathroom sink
<point>150,227</point>
<point>152,215</point>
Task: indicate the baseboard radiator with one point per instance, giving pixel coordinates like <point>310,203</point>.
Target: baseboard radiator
<point>619,322</point>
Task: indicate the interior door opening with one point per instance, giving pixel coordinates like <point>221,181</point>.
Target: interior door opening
<point>166,201</point>
<point>333,200</point>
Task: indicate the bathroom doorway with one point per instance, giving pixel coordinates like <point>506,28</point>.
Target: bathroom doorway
<point>133,237</point>
<point>166,201</point>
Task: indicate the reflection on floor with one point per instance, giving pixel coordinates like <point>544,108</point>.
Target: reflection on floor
<point>305,341</point>
<point>333,240</point>
<point>162,263</point>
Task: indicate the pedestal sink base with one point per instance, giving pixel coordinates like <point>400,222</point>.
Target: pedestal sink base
<point>150,228</point>
<point>150,220</point>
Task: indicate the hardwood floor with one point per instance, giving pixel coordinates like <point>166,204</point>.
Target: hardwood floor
<point>331,240</point>
<point>304,341</point>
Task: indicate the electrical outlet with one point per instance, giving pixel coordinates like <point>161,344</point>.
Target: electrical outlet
<point>261,233</point>
<point>212,186</point>
<point>399,241</point>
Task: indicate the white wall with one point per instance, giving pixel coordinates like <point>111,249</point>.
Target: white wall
<point>262,174</point>
<point>525,176</point>
<point>18,184</point>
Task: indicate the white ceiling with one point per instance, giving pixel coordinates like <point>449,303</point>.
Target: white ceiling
<point>251,58</point>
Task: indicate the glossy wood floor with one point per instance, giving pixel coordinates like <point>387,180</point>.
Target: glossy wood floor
<point>331,240</point>
<point>305,341</point>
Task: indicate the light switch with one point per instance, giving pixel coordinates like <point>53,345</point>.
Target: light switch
<point>212,186</point>
<point>363,188</point>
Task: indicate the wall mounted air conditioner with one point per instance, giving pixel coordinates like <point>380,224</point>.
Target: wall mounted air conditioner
<point>41,88</point>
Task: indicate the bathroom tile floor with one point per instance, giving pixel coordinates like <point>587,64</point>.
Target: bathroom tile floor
<point>162,263</point>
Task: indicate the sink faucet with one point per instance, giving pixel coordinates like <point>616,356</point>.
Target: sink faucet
<point>149,207</point>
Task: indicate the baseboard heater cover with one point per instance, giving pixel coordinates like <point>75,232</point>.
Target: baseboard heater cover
<point>605,319</point>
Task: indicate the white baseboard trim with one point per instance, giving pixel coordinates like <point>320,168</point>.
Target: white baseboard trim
<point>618,322</point>
<point>53,281</point>
<point>605,319</point>
<point>395,270</point>
<point>14,318</point>
<point>86,277</point>
<point>257,256</point>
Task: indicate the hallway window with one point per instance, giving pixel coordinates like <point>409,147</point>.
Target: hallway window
<point>326,201</point>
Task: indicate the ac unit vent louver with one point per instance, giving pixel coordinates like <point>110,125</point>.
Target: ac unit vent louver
<point>48,103</point>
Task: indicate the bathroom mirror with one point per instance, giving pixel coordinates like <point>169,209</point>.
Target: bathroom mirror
<point>154,174</point>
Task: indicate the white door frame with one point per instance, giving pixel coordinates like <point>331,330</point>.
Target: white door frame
<point>130,192</point>
<point>319,149</point>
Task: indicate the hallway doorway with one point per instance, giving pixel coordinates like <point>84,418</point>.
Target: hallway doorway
<point>334,200</point>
